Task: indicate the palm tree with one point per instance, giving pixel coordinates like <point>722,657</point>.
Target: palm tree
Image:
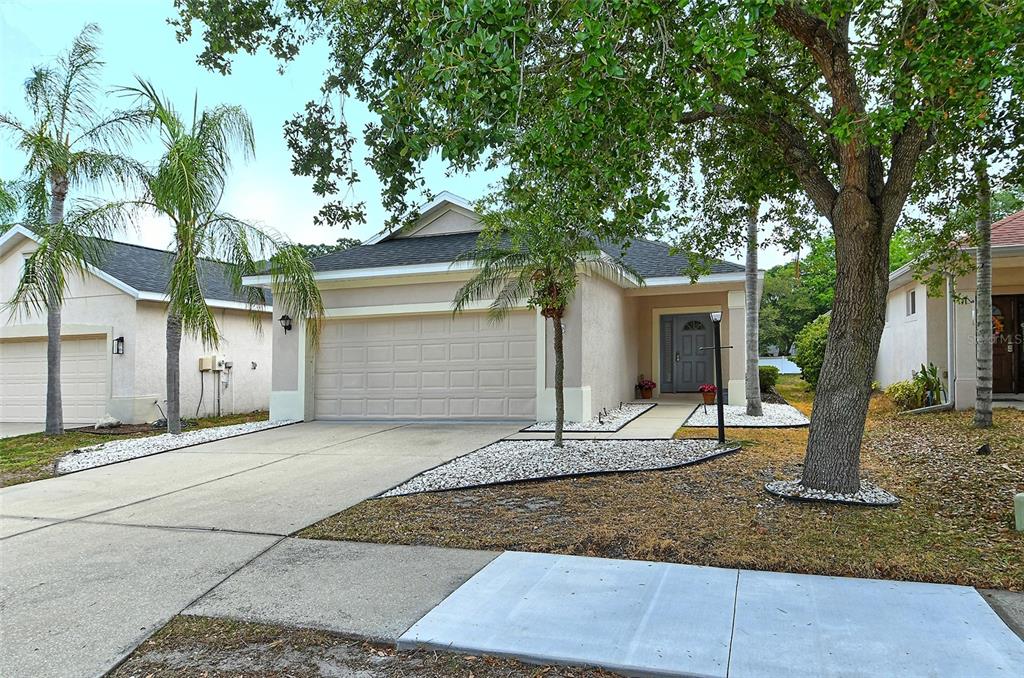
<point>753,377</point>
<point>69,144</point>
<point>534,256</point>
<point>983,304</point>
<point>187,187</point>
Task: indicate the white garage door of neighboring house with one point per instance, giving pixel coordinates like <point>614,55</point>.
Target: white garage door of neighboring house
<point>84,377</point>
<point>428,367</point>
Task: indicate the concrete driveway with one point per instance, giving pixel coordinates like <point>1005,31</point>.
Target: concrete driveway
<point>10,429</point>
<point>93,562</point>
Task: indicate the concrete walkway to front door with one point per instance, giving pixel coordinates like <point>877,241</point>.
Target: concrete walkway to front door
<point>93,562</point>
<point>658,423</point>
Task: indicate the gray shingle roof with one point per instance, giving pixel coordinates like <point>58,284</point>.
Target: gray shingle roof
<point>649,258</point>
<point>149,270</point>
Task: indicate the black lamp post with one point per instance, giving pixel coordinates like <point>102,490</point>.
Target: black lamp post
<point>716,320</point>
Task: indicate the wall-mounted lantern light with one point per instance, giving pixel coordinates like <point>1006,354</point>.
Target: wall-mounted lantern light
<point>286,323</point>
<point>119,346</point>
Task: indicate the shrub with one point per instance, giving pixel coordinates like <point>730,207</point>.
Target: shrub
<point>810,349</point>
<point>907,395</point>
<point>769,376</point>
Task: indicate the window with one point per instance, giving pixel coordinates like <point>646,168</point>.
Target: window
<point>912,302</point>
<point>693,326</point>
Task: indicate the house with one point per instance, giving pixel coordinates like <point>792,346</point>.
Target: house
<point>391,348</point>
<point>112,350</point>
<point>920,329</point>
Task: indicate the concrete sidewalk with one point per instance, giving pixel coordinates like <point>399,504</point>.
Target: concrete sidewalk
<point>660,619</point>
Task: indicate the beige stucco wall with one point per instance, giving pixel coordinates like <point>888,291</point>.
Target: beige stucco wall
<point>246,389</point>
<point>904,345</point>
<point>452,221</point>
<point>907,343</point>
<point>137,378</point>
<point>609,347</point>
<point>650,308</point>
<point>386,295</point>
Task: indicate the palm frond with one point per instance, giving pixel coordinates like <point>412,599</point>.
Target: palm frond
<point>295,289</point>
<point>62,252</point>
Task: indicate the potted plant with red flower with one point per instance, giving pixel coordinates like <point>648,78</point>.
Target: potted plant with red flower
<point>709,391</point>
<point>646,387</point>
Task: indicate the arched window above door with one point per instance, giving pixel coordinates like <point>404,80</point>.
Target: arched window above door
<point>693,326</point>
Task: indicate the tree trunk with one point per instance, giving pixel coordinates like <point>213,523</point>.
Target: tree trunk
<point>556,319</point>
<point>832,462</point>
<point>173,343</point>
<point>983,301</point>
<point>54,400</point>
<point>753,377</point>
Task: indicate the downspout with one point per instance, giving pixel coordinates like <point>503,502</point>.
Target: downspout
<point>951,341</point>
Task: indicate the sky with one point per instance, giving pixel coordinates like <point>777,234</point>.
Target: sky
<point>136,41</point>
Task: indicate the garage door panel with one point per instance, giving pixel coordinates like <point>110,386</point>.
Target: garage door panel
<point>84,379</point>
<point>437,367</point>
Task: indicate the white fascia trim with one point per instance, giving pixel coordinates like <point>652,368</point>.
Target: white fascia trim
<point>440,199</point>
<point>212,303</point>
<point>662,281</point>
<point>16,230</point>
<point>434,307</point>
<point>378,272</point>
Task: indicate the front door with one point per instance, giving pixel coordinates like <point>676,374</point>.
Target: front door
<point>1007,337</point>
<point>684,367</point>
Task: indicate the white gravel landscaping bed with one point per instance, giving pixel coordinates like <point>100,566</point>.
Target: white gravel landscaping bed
<point>515,460</point>
<point>133,448</point>
<point>869,494</point>
<point>613,421</point>
<point>775,416</point>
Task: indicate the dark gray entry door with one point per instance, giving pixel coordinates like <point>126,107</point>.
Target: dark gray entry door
<point>684,366</point>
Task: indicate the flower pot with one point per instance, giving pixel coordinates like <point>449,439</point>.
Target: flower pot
<point>709,398</point>
<point>646,393</point>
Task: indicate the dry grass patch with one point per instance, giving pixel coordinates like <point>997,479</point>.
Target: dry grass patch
<point>214,648</point>
<point>32,456</point>
<point>955,524</point>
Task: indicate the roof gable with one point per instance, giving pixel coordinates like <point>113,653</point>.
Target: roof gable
<point>138,270</point>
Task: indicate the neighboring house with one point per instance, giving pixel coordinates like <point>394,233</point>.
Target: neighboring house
<point>391,348</point>
<point>917,331</point>
<point>120,304</point>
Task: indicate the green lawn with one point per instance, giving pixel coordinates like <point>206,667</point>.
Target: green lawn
<point>31,457</point>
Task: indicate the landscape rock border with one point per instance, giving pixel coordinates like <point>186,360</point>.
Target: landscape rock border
<point>126,449</point>
<point>617,419</point>
<point>782,416</point>
<point>869,495</point>
<point>499,461</point>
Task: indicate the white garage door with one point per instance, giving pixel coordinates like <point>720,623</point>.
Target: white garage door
<point>84,376</point>
<point>428,367</point>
